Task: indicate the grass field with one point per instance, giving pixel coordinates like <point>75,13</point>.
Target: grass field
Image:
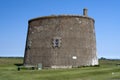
<point>108,70</point>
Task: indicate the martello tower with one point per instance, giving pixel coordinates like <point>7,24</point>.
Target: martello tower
<point>62,41</point>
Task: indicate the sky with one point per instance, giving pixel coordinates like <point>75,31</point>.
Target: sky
<point>14,16</point>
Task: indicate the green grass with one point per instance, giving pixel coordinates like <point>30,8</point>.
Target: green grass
<point>108,70</point>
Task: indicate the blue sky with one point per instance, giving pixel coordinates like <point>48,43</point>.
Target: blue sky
<point>14,16</point>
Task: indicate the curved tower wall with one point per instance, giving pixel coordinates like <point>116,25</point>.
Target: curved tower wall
<point>61,42</point>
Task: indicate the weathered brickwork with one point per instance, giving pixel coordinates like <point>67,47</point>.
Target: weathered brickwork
<point>62,41</point>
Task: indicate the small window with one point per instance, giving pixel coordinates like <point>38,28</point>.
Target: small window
<point>56,42</point>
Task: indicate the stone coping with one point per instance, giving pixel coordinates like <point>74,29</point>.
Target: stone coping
<point>59,16</point>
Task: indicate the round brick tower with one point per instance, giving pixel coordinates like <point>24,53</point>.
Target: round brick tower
<point>62,41</point>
